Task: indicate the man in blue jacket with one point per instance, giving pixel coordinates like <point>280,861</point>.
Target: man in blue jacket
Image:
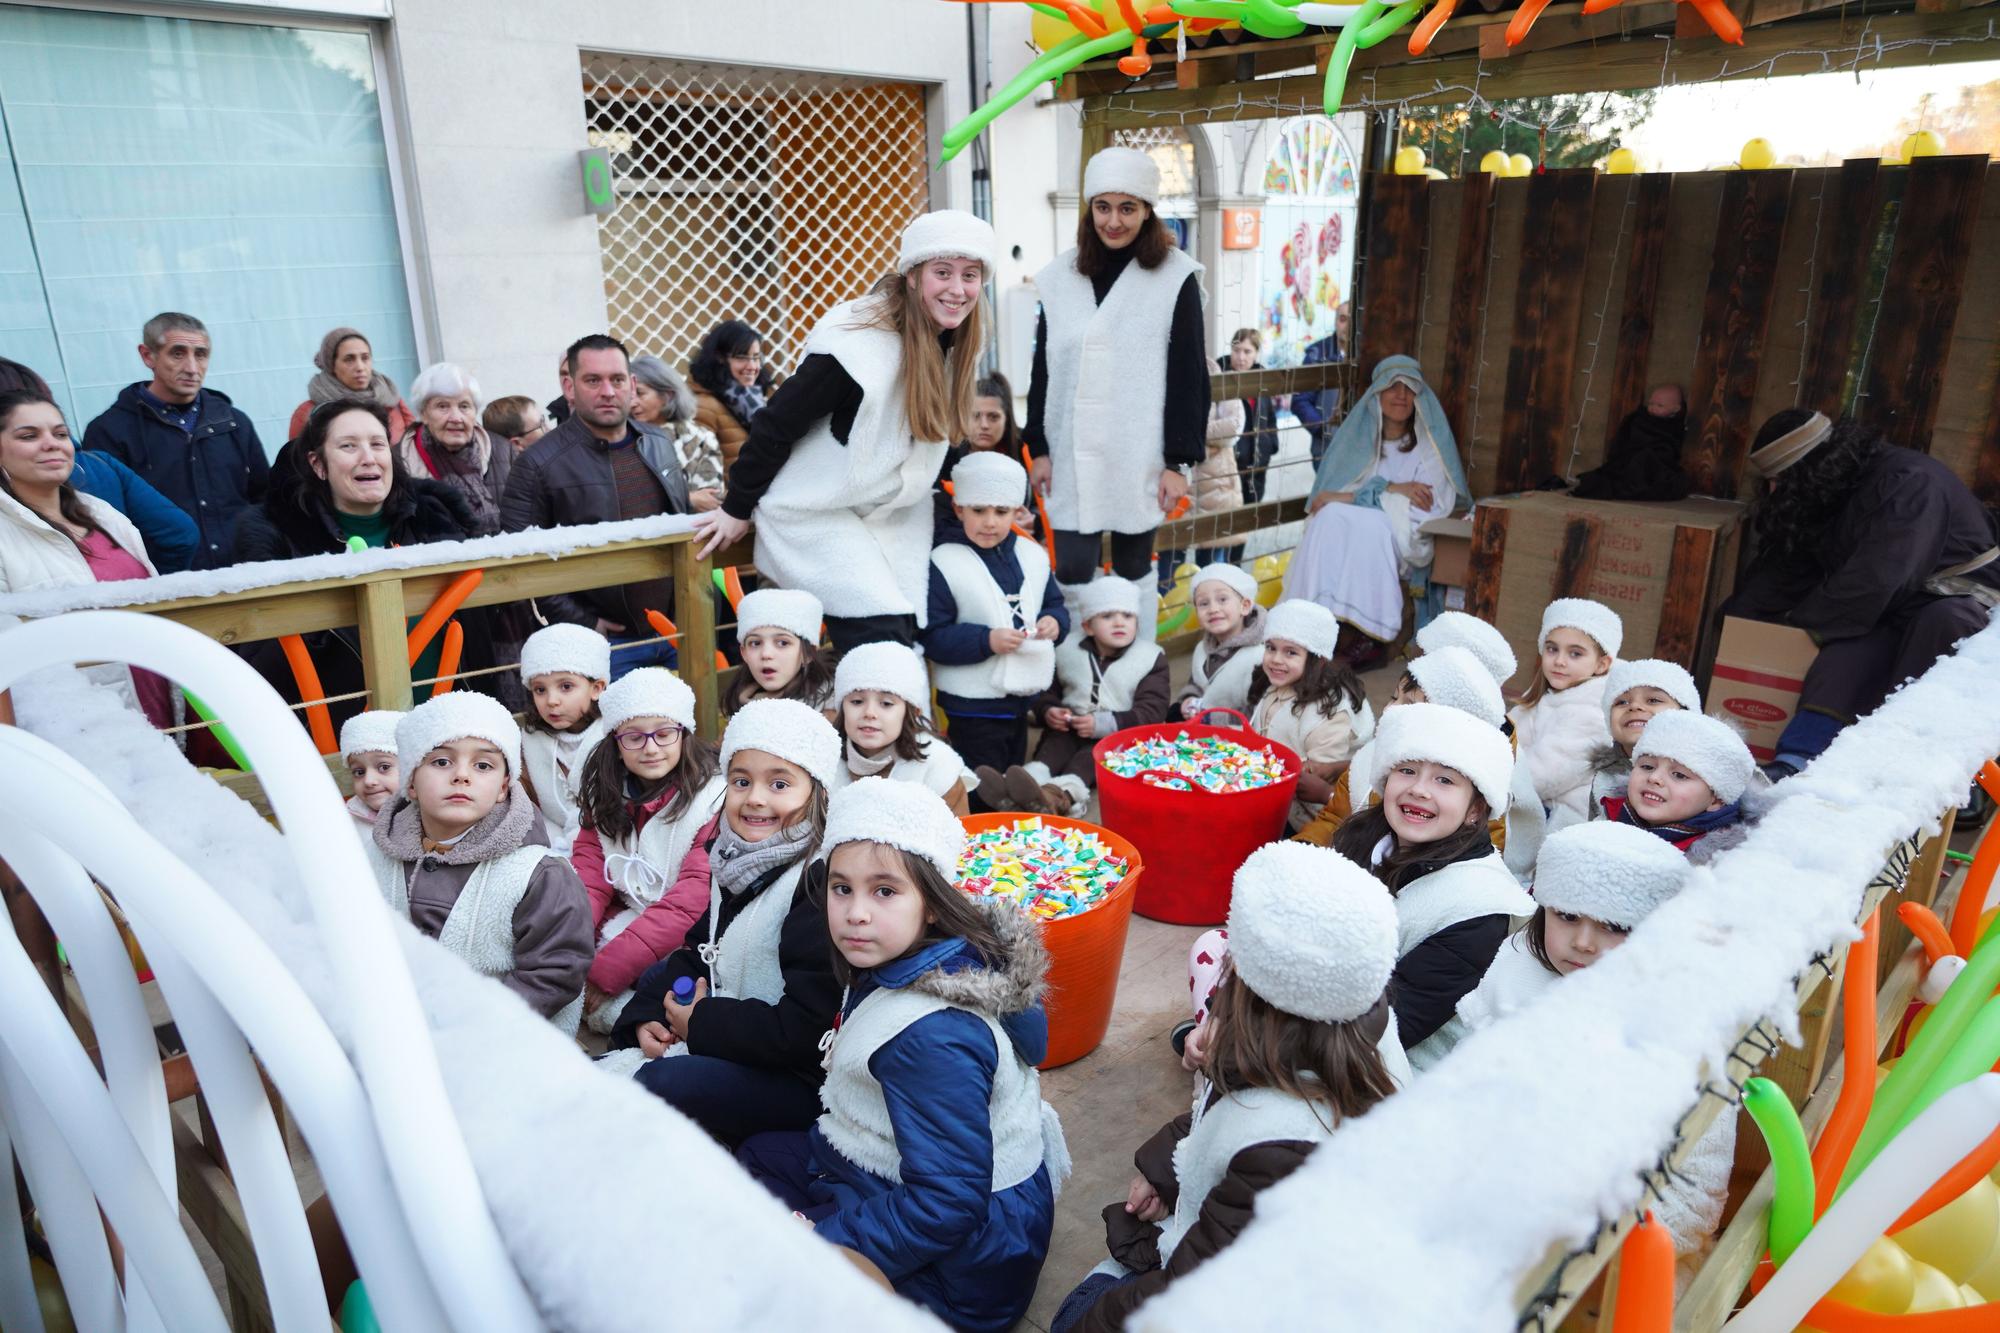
<point>188,442</point>
<point>171,536</point>
<point>1317,408</point>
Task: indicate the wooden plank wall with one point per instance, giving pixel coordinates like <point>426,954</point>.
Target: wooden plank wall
<point>1544,308</point>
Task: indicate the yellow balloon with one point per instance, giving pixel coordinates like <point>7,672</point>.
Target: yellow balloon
<point>1924,143</point>
<point>1985,1278</point>
<point>1882,1280</point>
<point>1270,580</point>
<point>1956,1238</point>
<point>1495,163</point>
<point>1520,164</point>
<point>1973,1296</point>
<point>1757,155</point>
<point>1046,30</point>
<point>1409,160</point>
<point>1621,162</point>
<point>1435,174</point>
<point>1934,1291</point>
<point>1284,562</point>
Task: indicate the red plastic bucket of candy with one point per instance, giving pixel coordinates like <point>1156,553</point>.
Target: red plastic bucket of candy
<point>1085,950</point>
<point>1192,841</point>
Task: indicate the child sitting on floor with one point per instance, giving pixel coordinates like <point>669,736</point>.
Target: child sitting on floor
<point>884,703</point>
<point>1634,692</point>
<point>777,630</point>
<point>1294,1053</point>
<point>462,854</point>
<point>1689,772</point>
<point>1559,724</point>
<point>368,744</point>
<point>1225,601</point>
<point>1309,701</point>
<point>936,1158</point>
<point>565,669</point>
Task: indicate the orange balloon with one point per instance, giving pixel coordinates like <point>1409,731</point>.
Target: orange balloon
<point>1857,1084</point>
<point>1646,1280</point>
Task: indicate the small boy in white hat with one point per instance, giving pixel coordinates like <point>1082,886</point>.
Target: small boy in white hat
<point>462,854</point>
<point>1232,624</point>
<point>1689,773</point>
<point>995,613</point>
<point>565,669</point>
<point>1634,693</point>
<point>368,745</point>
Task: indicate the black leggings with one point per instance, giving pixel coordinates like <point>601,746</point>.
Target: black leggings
<point>1079,553</point>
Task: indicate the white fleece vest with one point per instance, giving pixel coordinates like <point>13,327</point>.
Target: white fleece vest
<point>938,771</point>
<point>1228,687</point>
<point>644,868</point>
<point>851,523</point>
<point>857,1122</point>
<point>1459,892</point>
<point>743,964</point>
<point>1240,1120</point>
<point>555,786</point>
<point>1116,690</point>
<point>480,926</point>
<point>1028,669</point>
<point>1107,392</point>
<point>1514,979</point>
<point>1556,737</point>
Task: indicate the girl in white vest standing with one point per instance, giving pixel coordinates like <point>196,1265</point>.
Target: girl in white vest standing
<point>1294,1053</point>
<point>644,794</point>
<point>736,1046</point>
<point>937,1158</point>
<point>883,700</point>
<point>462,854</point>
<point>839,465</point>
<point>1118,397</point>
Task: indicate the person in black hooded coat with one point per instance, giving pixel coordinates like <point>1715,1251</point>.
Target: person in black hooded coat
<point>1643,461</point>
<point>300,517</point>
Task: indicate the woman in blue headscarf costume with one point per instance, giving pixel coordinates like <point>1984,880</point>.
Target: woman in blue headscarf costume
<point>1392,466</point>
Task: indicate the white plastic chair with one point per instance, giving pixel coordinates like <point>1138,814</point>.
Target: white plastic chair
<point>379,1125</point>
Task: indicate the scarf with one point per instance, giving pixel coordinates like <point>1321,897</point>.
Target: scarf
<point>744,401</point>
<point>1355,451</point>
<point>324,388</point>
<point>861,766</point>
<point>1685,830</point>
<point>739,863</point>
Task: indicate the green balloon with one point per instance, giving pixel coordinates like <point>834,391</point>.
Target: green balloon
<point>1389,24</point>
<point>1791,1165</point>
<point>1272,18</point>
<point>357,1313</point>
<point>223,735</point>
<point>715,576</point>
<point>1342,56</point>
<point>1973,1054</point>
<point>1053,63</point>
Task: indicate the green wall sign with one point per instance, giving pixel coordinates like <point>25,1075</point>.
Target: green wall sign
<point>599,194</point>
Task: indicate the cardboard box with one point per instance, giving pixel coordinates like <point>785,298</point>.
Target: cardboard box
<point>1663,568</point>
<point>1451,550</point>
<point>1759,671</point>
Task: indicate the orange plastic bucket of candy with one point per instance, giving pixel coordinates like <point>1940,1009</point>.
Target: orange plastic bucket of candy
<point>1085,950</point>
<point>1193,840</point>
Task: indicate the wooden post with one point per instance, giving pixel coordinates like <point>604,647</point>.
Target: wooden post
<point>695,610</point>
<point>385,642</point>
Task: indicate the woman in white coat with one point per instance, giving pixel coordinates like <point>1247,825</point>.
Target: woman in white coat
<point>1118,397</point>
<point>839,465</point>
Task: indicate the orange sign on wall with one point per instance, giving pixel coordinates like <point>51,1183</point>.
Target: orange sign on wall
<point>1242,228</point>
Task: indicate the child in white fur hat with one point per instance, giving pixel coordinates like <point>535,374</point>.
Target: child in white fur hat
<point>739,1051</point>
<point>777,630</point>
<point>462,854</point>
<point>1232,624</point>
<point>1560,723</point>
<point>995,614</point>
<point>1313,946</point>
<point>647,789</point>
<point>882,699</point>
<point>1107,679</point>
<point>1309,701</point>
<point>368,745</point>
<point>1441,774</point>
<point>937,1158</point>
<point>1634,693</point>
<point>565,669</point>
<point>1456,629</point>
<point>1689,773</point>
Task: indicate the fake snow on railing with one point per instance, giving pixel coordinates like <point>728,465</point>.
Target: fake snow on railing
<point>1426,1212</point>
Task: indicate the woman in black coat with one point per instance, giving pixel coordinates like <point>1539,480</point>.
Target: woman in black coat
<point>338,481</point>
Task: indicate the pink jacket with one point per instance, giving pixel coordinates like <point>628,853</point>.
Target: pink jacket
<point>659,929</point>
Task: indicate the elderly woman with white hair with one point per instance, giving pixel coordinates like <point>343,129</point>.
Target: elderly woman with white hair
<point>661,398</point>
<point>448,444</point>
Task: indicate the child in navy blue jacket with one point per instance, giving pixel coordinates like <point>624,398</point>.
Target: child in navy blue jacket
<point>996,613</point>
<point>937,1158</point>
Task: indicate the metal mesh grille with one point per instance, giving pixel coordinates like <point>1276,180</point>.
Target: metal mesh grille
<point>744,193</point>
<point>1173,152</point>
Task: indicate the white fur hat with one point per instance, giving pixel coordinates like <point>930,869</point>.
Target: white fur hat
<point>573,648</point>
<point>796,612</point>
<point>1311,932</point>
<point>1444,736</point>
<point>1308,624</point>
<point>1452,676</point>
<point>459,715</point>
<point>787,729</point>
<point>1106,592</point>
<point>947,233</point>
<point>1238,581</point>
<point>1122,171</point>
<point>372,731</point>
<point>1615,873</point>
<point>883,666</point>
<point>989,477</point>
<point>1489,645</point>
<point>647,692</point>
<point>1669,678</point>
<point>1708,747</point>
<point>1584,616</point>
<point>907,815</point>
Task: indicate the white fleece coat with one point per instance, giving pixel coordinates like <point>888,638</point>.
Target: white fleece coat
<point>1556,737</point>
<point>34,556</point>
<point>1317,734</point>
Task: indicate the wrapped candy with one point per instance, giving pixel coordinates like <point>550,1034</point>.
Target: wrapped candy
<point>1211,764</point>
<point>1050,871</point>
